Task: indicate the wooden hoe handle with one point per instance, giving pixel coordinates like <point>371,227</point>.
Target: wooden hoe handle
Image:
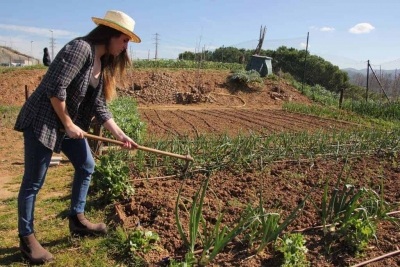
<point>99,138</point>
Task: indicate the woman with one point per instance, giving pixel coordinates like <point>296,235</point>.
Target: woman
<point>75,88</point>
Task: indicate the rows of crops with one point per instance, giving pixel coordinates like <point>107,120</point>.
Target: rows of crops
<point>162,123</point>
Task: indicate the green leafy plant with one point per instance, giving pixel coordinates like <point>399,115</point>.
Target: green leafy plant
<point>350,215</point>
<point>111,177</point>
<point>124,110</point>
<point>243,77</point>
<point>124,246</point>
<point>142,240</point>
<point>293,249</point>
<point>357,230</point>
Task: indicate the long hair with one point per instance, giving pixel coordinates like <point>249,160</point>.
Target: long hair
<point>113,66</point>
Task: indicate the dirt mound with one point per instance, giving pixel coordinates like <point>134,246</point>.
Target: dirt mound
<point>168,87</point>
<point>12,85</point>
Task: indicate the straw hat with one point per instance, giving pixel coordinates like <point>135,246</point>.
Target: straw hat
<point>119,21</point>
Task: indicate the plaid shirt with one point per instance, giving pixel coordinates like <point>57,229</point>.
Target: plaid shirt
<point>67,79</point>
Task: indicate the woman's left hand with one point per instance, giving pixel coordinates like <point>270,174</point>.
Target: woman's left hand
<point>128,142</point>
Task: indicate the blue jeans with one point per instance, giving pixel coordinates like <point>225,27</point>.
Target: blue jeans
<point>37,161</point>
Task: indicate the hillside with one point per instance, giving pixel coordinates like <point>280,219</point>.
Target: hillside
<point>168,87</point>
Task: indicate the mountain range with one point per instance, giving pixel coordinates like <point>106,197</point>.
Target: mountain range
<point>352,72</point>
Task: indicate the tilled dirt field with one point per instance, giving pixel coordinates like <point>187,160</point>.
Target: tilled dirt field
<point>215,121</point>
<point>283,185</point>
<point>224,109</point>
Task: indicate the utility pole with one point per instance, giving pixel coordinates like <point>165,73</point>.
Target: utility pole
<point>380,77</point>
<point>52,43</point>
<point>148,55</point>
<point>305,64</point>
<point>366,95</point>
<point>157,39</point>
<point>131,54</point>
<point>31,53</point>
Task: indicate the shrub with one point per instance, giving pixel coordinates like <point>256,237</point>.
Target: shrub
<point>247,78</point>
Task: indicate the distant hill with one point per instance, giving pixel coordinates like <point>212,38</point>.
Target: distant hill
<point>389,79</point>
<point>352,72</point>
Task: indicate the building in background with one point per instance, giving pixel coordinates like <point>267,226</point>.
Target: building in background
<point>13,58</point>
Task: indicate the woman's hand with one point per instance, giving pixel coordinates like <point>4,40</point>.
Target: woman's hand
<point>120,135</point>
<point>74,132</point>
<point>128,142</point>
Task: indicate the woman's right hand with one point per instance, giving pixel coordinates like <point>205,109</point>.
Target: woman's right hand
<point>74,132</point>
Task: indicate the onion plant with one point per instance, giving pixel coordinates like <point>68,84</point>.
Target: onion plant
<point>254,224</point>
<point>352,214</point>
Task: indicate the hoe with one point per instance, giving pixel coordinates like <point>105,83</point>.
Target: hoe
<point>188,158</point>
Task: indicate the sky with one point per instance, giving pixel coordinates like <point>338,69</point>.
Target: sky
<point>346,33</point>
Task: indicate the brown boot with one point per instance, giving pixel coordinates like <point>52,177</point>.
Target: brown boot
<point>79,225</point>
<point>31,248</point>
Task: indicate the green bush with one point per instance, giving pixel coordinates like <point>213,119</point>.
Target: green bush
<point>243,77</point>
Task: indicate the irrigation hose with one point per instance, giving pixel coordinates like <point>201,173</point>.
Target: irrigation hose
<point>241,99</point>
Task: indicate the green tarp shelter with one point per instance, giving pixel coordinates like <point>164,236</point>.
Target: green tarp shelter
<point>261,64</point>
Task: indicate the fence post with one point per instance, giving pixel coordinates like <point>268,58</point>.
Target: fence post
<point>341,97</point>
<point>26,92</point>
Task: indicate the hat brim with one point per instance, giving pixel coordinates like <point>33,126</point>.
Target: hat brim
<point>133,37</point>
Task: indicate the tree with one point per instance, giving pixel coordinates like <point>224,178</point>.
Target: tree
<point>187,55</point>
<point>289,60</point>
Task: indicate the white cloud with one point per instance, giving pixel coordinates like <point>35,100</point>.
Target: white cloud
<point>39,31</point>
<point>327,29</point>
<point>304,45</point>
<point>361,28</point>
<point>323,29</point>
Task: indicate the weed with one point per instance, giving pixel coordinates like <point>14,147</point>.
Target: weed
<point>293,249</point>
<point>142,240</point>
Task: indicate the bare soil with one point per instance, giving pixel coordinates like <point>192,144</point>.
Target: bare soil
<point>203,102</point>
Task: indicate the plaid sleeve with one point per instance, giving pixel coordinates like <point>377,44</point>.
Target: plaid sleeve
<point>102,113</point>
<point>65,67</point>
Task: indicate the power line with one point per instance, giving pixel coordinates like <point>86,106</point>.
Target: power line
<point>176,40</point>
<point>156,43</point>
